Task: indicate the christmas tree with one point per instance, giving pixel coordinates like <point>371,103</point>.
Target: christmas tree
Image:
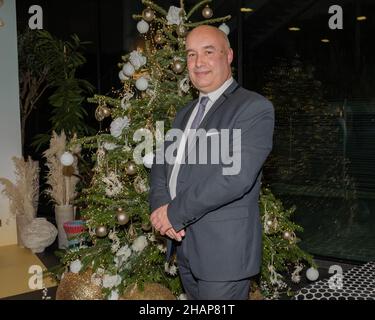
<point>121,249</point>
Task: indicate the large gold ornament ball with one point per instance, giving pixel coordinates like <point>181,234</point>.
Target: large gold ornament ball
<point>178,66</point>
<point>151,291</point>
<point>207,12</point>
<point>122,218</point>
<point>78,286</point>
<point>181,30</point>
<point>148,14</point>
<point>101,231</point>
<point>130,168</point>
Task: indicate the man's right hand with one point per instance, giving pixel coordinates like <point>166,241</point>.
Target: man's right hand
<point>173,234</point>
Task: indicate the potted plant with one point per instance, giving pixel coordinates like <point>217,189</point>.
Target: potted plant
<point>62,178</point>
<point>32,232</point>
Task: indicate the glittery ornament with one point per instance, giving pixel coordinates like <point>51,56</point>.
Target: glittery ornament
<point>148,14</point>
<point>101,231</point>
<point>101,112</point>
<point>151,291</point>
<point>207,12</point>
<point>181,30</point>
<point>159,38</point>
<point>78,286</point>
<point>130,168</point>
<point>140,185</point>
<point>178,66</point>
<point>146,227</point>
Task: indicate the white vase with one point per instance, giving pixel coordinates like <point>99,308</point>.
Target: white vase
<point>63,214</point>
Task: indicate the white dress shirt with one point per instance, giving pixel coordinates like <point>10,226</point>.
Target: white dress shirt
<point>212,96</point>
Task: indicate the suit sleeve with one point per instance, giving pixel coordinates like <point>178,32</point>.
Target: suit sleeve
<point>256,122</point>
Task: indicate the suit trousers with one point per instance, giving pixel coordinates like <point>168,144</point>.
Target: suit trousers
<point>197,289</point>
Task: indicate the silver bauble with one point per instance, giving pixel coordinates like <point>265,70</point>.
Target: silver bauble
<point>178,66</point>
<point>101,231</point>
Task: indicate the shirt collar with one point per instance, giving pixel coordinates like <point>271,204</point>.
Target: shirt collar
<point>214,95</point>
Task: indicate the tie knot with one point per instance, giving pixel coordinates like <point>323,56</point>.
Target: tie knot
<point>203,101</point>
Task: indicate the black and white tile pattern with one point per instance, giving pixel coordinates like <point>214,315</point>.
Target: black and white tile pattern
<point>356,284</point>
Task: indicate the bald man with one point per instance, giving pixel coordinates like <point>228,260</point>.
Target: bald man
<point>211,215</point>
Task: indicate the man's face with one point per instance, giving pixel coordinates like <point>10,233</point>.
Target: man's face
<point>208,59</point>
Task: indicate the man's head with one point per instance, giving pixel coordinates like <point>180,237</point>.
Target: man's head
<point>208,58</point>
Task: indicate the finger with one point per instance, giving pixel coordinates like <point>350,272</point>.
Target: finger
<point>182,233</point>
<point>176,236</point>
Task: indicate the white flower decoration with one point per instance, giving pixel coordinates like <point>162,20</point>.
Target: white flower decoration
<point>137,60</point>
<point>184,84</point>
<point>118,125</point>
<point>114,295</point>
<point>113,185</point>
<point>111,281</point>
<point>109,146</point>
<point>173,16</point>
<point>139,244</point>
<point>182,296</point>
<point>75,266</point>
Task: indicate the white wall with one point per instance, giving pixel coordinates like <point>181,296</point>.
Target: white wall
<point>10,129</point>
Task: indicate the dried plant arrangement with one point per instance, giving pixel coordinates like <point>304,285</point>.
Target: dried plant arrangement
<point>24,193</point>
<point>62,180</point>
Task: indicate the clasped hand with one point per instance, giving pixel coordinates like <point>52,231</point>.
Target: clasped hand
<point>159,220</point>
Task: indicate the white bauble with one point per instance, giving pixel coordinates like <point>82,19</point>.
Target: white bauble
<point>128,69</point>
<point>223,27</point>
<point>142,26</point>
<point>312,274</point>
<point>122,76</point>
<point>75,266</point>
<point>141,84</point>
<point>148,160</point>
<point>67,159</point>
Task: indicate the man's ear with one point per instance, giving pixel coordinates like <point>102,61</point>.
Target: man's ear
<point>230,55</point>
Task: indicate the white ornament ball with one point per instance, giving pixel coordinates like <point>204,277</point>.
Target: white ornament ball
<point>75,266</point>
<point>128,69</point>
<point>223,27</point>
<point>312,274</point>
<point>142,26</point>
<point>122,76</point>
<point>148,160</point>
<point>141,84</point>
<point>67,159</point>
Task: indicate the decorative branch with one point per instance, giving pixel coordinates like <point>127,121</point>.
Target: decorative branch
<point>196,7</point>
<point>155,7</point>
<point>210,21</point>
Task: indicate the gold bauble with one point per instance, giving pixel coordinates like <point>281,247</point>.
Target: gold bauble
<point>101,112</point>
<point>286,235</point>
<point>122,218</point>
<point>159,38</point>
<point>146,227</point>
<point>130,168</point>
<point>151,291</point>
<point>148,14</point>
<point>178,66</point>
<point>101,231</point>
<point>78,286</point>
<point>181,30</point>
<point>207,12</point>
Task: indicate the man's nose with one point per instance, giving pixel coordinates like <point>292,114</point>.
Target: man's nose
<point>200,61</point>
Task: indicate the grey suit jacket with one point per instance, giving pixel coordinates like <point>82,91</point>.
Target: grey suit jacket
<point>220,213</point>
